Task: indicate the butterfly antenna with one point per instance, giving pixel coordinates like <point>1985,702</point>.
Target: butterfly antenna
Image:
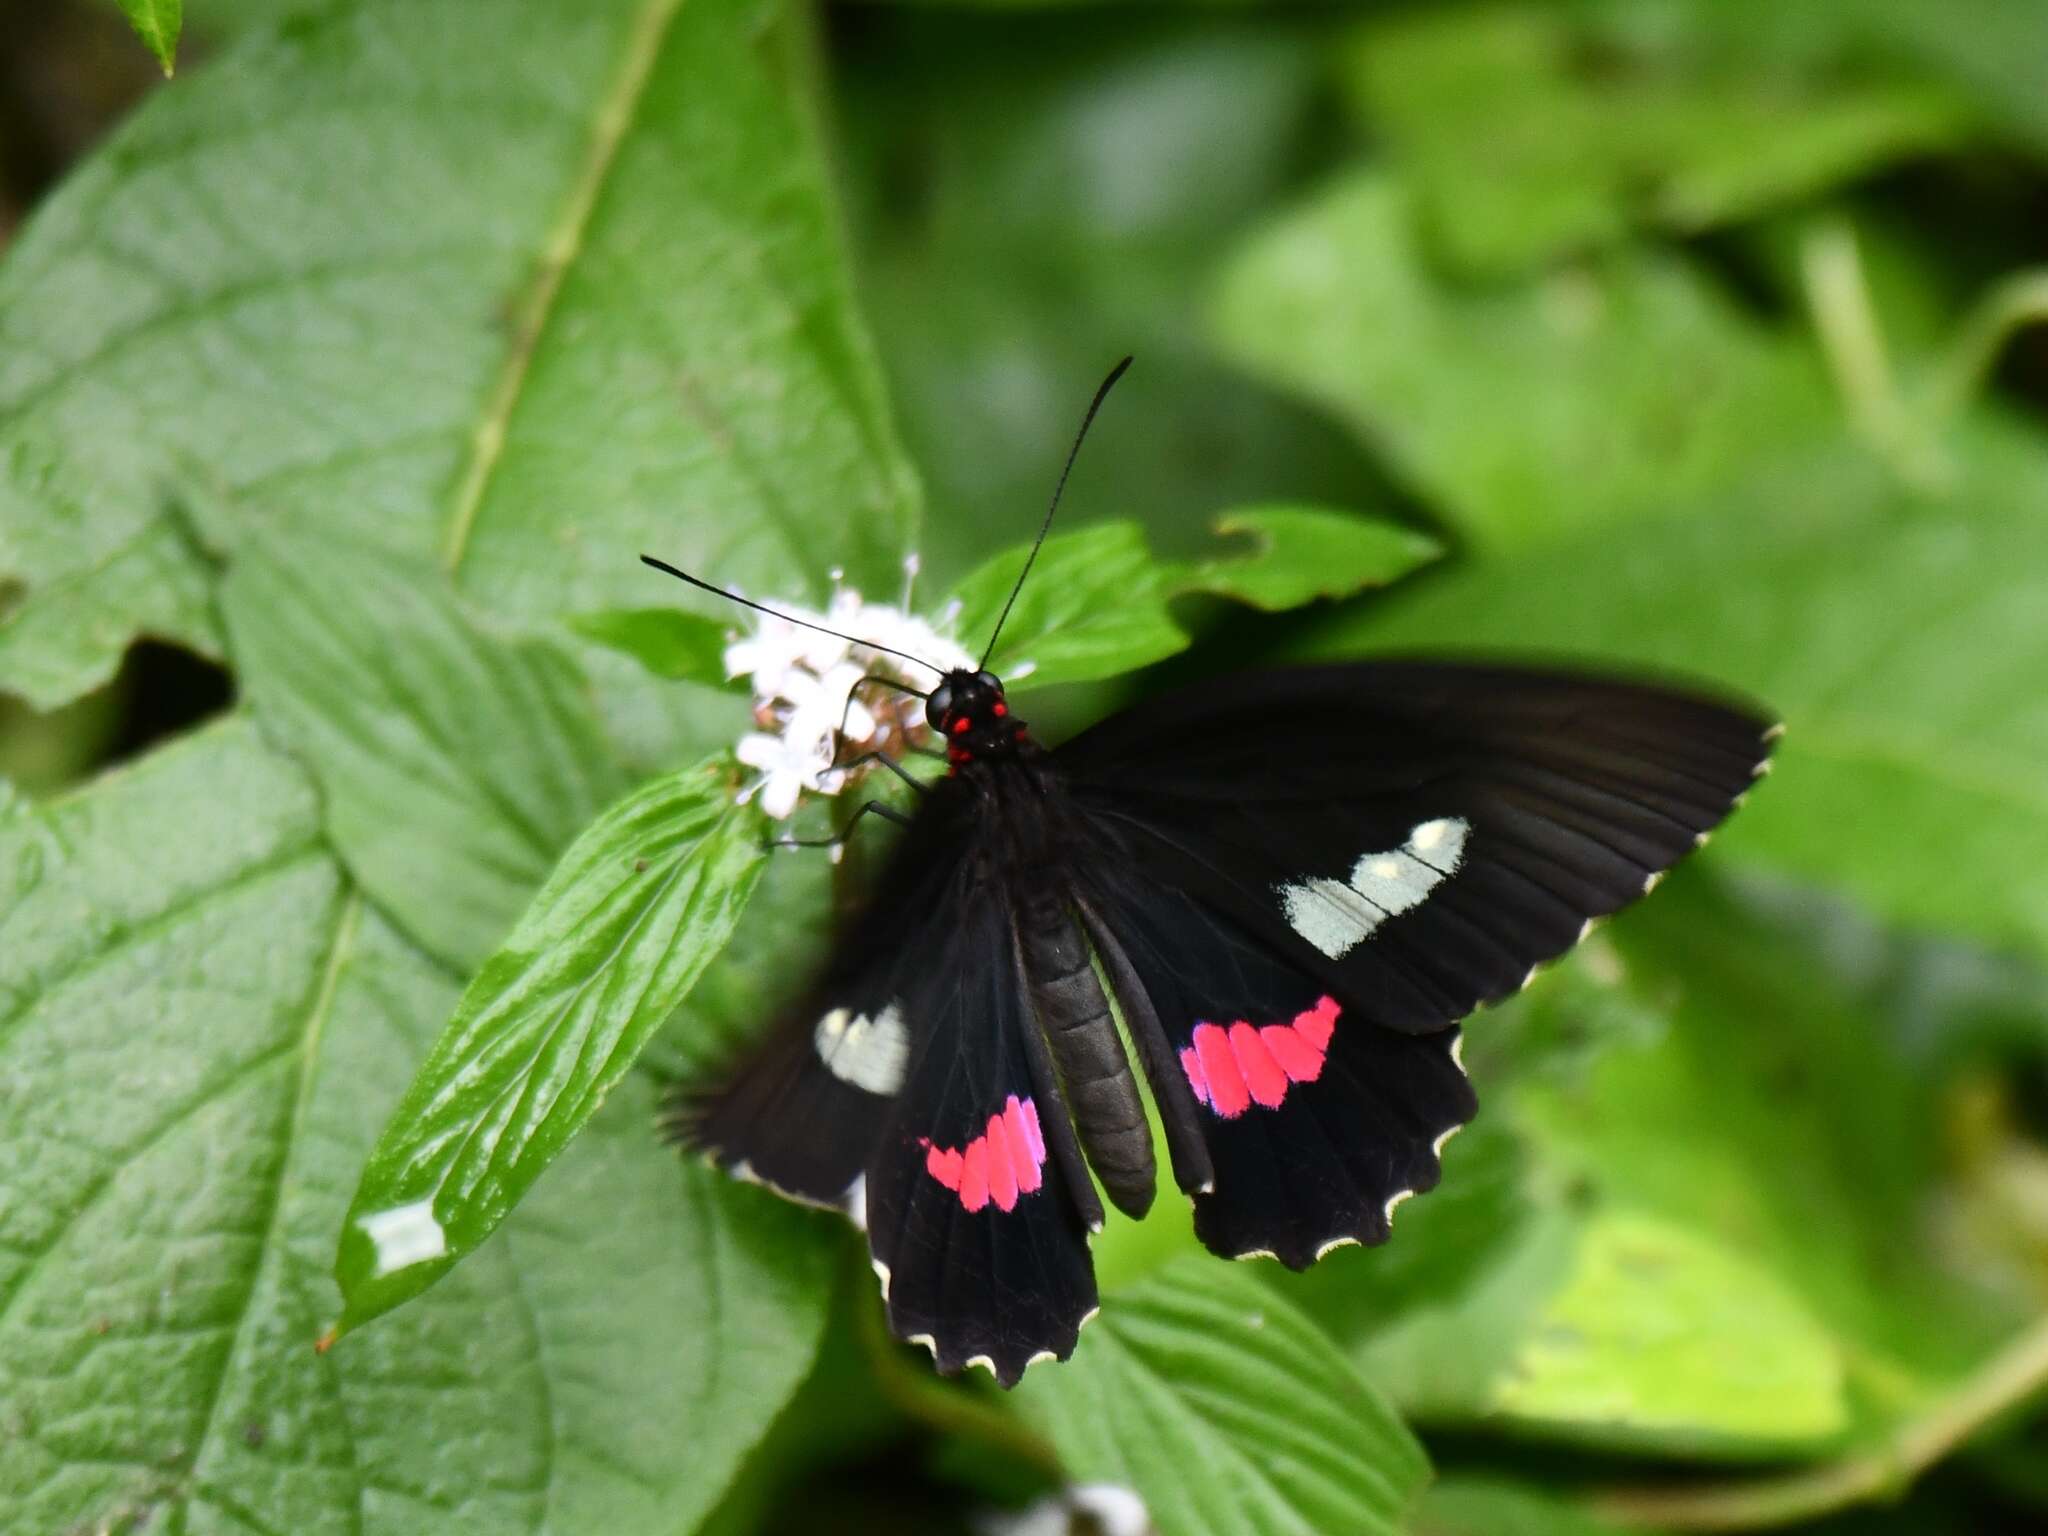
<point>787,618</point>
<point>1101,394</point>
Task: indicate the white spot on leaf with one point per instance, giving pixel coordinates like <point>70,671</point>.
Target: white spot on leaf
<point>404,1236</point>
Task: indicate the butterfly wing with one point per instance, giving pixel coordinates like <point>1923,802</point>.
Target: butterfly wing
<point>1315,873</point>
<point>912,1089</point>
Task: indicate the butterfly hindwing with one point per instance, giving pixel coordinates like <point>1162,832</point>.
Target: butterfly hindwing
<point>1314,1121</point>
<point>979,1206</point>
<point>910,1089</point>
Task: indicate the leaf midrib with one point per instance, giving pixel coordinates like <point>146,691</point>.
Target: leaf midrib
<point>614,117</point>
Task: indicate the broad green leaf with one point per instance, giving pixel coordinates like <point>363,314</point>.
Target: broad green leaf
<point>200,1027</point>
<point>1718,1178</point>
<point>1023,215</point>
<point>1659,1331</point>
<point>1521,151</point>
<point>668,642</point>
<point>454,763</point>
<point>1099,602</point>
<point>1897,635</point>
<point>525,287</point>
<point>1593,395</point>
<point>636,909</point>
<point>1227,1411</point>
<point>157,22</point>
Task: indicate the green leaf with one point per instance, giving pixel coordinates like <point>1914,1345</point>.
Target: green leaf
<point>1659,1331</point>
<point>1531,132</point>
<point>157,22</point>
<point>636,909</point>
<point>1713,1176</point>
<point>454,764</point>
<point>200,1027</point>
<point>504,282</point>
<point>1521,411</point>
<point>1099,603</point>
<point>686,647</point>
<point>1227,1411</point>
<point>1896,634</point>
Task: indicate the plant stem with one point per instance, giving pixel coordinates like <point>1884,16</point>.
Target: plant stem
<point>2007,1381</point>
<point>1831,266</point>
<point>950,1409</point>
<point>2015,302</point>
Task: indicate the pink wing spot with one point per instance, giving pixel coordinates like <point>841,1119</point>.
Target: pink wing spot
<point>1230,1070</point>
<point>1002,1170</point>
<point>1317,1024</point>
<point>974,1174</point>
<point>1228,1095</point>
<point>1302,1062</point>
<point>1263,1076</point>
<point>1026,1152</point>
<point>1001,1165</point>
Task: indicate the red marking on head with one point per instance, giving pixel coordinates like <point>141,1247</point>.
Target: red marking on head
<point>999,709</point>
<point>1000,1166</point>
<point>961,725</point>
<point>1232,1069</point>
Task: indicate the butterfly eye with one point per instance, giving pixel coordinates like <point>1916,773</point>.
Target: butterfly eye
<point>938,706</point>
<point>989,681</point>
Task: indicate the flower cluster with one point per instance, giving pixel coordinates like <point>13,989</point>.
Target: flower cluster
<point>807,718</point>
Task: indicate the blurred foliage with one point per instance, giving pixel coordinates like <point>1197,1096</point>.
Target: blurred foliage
<point>362,359</point>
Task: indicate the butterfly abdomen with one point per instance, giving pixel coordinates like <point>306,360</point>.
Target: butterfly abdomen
<point>1088,1055</point>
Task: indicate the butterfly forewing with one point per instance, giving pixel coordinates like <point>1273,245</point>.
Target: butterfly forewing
<point>1418,835</point>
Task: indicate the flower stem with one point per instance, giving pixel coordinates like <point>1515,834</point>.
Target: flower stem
<point>2008,1380</point>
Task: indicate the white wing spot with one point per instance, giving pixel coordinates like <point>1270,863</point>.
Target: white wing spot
<point>1336,915</point>
<point>870,1054</point>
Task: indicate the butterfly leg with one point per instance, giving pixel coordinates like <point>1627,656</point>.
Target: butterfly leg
<point>839,839</point>
<point>891,764</point>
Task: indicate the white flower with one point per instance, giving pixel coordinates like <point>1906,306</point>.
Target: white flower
<point>1104,1507</point>
<point>807,713</point>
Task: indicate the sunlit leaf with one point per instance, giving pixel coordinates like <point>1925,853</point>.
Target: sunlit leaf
<point>1098,602</point>
<point>636,909</point>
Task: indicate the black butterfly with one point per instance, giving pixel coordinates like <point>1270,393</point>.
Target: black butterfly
<point>1296,884</point>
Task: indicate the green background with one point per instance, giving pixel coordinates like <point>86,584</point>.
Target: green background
<point>358,788</point>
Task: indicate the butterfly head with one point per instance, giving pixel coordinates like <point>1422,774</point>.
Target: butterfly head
<point>969,710</point>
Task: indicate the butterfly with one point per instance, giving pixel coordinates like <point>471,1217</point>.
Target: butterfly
<point>1290,886</point>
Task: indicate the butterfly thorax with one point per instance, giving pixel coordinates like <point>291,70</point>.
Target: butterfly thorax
<point>970,711</point>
